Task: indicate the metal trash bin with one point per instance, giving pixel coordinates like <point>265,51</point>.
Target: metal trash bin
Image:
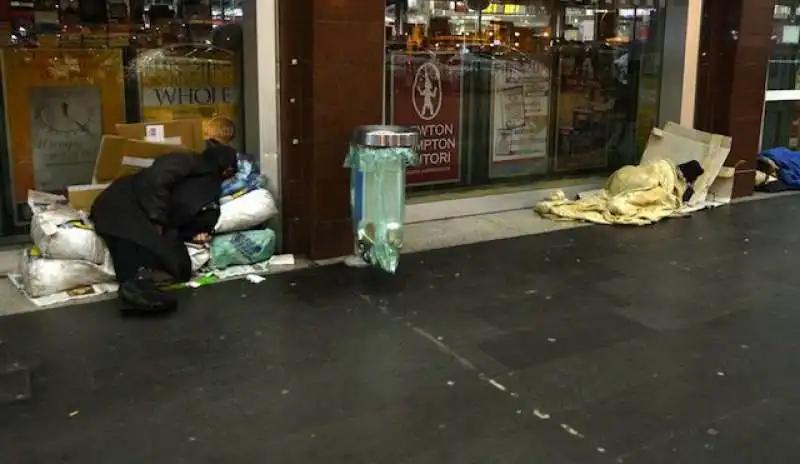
<point>378,157</point>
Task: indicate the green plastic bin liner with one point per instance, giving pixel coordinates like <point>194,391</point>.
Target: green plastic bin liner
<point>377,198</point>
<point>242,248</point>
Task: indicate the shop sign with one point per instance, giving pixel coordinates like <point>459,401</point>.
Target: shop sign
<point>520,110</point>
<point>423,97</point>
<point>179,96</point>
<point>187,88</point>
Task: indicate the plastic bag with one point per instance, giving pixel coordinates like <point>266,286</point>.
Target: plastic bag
<point>41,201</point>
<point>246,212</point>
<point>377,197</point>
<point>241,248</point>
<point>42,276</point>
<point>248,178</point>
<point>199,255</point>
<point>61,232</point>
<point>230,198</point>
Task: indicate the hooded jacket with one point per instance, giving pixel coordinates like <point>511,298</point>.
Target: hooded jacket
<point>166,196</point>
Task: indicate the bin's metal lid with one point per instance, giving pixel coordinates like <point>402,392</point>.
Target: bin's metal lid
<point>386,136</point>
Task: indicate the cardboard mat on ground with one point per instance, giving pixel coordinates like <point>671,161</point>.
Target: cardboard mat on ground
<point>654,189</point>
<point>679,145</point>
<point>252,273</point>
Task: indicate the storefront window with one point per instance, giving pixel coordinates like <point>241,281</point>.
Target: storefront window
<point>781,125</point>
<point>784,72</point>
<point>782,110</point>
<point>73,70</point>
<point>511,92</point>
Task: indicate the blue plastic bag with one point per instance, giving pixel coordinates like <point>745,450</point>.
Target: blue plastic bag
<point>248,178</point>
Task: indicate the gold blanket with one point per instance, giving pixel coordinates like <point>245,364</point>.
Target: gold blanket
<point>633,195</point>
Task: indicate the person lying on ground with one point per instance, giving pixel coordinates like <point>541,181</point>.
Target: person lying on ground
<point>146,218</point>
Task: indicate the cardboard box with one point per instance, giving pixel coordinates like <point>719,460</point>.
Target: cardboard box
<point>680,144</point>
<point>81,197</point>
<point>132,164</point>
<point>182,132</point>
<point>114,149</point>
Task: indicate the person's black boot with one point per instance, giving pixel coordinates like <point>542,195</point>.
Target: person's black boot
<point>142,297</point>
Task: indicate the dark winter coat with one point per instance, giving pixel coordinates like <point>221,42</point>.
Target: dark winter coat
<point>168,195</point>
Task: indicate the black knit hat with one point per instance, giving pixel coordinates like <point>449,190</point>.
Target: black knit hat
<point>223,157</point>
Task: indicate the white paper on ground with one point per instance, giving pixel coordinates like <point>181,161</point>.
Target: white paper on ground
<point>254,278</point>
<point>282,260</point>
<point>234,272</point>
<point>61,298</point>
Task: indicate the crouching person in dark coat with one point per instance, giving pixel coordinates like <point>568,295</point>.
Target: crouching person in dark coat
<point>145,219</point>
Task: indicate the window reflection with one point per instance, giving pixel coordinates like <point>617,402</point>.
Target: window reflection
<point>74,69</point>
<point>782,118</point>
<point>524,89</point>
<point>784,73</point>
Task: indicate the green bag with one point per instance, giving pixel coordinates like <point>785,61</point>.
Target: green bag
<point>242,248</point>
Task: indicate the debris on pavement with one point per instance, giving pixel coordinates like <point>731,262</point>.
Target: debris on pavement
<point>254,278</point>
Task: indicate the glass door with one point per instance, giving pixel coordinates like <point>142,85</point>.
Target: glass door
<point>602,56</point>
<point>511,92</point>
<point>781,125</point>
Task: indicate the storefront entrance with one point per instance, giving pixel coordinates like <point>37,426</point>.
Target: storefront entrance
<point>518,93</point>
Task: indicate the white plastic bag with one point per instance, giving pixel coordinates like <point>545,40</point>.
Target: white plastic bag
<point>40,201</point>
<point>60,232</point>
<point>42,276</point>
<point>246,212</point>
<point>200,255</point>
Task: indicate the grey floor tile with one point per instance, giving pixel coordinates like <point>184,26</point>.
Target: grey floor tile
<point>671,343</point>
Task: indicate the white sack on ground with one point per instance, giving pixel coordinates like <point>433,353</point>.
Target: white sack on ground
<point>59,232</point>
<point>246,212</point>
<point>42,276</point>
<point>633,195</point>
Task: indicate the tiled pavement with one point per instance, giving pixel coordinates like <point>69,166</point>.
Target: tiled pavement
<point>668,344</point>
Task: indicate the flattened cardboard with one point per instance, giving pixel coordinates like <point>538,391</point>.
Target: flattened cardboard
<point>113,149</point>
<point>133,164</point>
<point>183,132</point>
<point>82,197</point>
<point>681,144</point>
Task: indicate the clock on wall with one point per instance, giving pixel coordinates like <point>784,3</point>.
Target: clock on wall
<point>66,116</point>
